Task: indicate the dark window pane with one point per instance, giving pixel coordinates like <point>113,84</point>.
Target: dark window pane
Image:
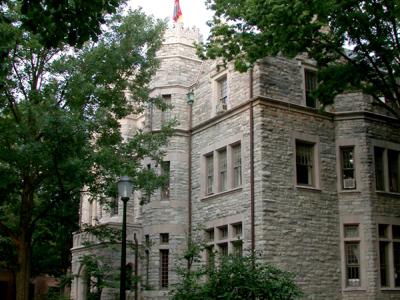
<point>379,177</point>
<point>310,86</point>
<point>396,261</point>
<point>304,163</point>
<point>384,263</point>
<point>393,165</point>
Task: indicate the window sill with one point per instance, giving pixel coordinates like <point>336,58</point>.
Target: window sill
<point>207,197</point>
<point>354,289</point>
<point>385,193</point>
<point>355,191</point>
<point>390,289</point>
<point>308,188</point>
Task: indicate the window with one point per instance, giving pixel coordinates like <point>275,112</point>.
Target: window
<point>165,170</point>
<point>352,255</point>
<point>389,255</point>
<point>310,80</point>
<point>387,165</point>
<point>228,239</point>
<point>210,174</point>
<point>210,235</point>
<point>166,114</point>
<point>223,249</point>
<point>225,172</point>
<point>379,173</point>
<point>223,232</point>
<point>237,230</point>
<point>237,247</point>
<point>347,164</point>
<point>164,238</point>
<point>393,168</point>
<point>237,165</point>
<point>164,257</point>
<point>305,163</point>
<point>222,168</point>
<point>223,92</point>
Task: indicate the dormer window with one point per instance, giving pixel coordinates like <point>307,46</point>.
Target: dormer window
<point>310,85</point>
<point>222,94</point>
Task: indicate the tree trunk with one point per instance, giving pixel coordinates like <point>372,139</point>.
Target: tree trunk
<point>24,241</point>
<point>23,271</point>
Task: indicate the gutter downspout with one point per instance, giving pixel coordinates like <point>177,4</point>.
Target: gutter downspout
<point>252,205</point>
<point>190,170</point>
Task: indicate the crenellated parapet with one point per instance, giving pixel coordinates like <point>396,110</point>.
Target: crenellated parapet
<point>178,33</point>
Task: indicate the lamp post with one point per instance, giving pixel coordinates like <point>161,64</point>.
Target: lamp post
<point>124,191</point>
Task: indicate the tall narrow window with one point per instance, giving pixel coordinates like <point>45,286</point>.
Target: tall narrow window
<point>237,165</point>
<point>223,90</point>
<point>223,168</point>
<point>305,163</point>
<point>310,78</point>
<point>209,174</point>
<point>393,166</point>
<point>389,255</point>
<point>352,255</point>
<point>348,173</point>
<point>379,171</point>
<point>164,257</point>
<point>166,114</point>
<point>165,171</point>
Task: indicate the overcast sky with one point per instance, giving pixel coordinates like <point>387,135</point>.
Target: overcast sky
<point>194,11</point>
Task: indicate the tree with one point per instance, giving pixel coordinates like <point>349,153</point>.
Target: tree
<point>356,44</point>
<point>59,122</point>
<point>234,277</point>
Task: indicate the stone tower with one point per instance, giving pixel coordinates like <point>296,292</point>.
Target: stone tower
<point>165,216</point>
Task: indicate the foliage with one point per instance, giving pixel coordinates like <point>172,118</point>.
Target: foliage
<point>96,273</point>
<point>234,277</point>
<point>60,109</point>
<point>355,43</point>
<point>63,21</point>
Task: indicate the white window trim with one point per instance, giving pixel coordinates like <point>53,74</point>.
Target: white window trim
<point>348,220</point>
<point>344,143</point>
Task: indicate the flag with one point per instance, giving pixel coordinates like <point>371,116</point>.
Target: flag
<point>177,17</point>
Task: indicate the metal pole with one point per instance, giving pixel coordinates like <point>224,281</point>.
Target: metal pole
<point>122,288</point>
<point>136,266</point>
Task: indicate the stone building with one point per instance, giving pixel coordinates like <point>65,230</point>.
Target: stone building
<point>258,164</point>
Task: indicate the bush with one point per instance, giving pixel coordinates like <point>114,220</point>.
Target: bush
<point>237,278</point>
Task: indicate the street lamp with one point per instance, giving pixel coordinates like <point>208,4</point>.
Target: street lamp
<point>124,191</point>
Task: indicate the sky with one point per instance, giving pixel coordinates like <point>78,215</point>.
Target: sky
<point>194,12</point>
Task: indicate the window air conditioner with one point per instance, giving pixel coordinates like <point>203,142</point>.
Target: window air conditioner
<point>349,183</point>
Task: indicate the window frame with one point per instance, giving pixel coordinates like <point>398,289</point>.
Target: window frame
<point>389,240</point>
<point>309,70</point>
<point>385,177</point>
<point>212,181</point>
<point>353,220</point>
<point>342,149</point>
<point>164,268</point>
<point>314,142</point>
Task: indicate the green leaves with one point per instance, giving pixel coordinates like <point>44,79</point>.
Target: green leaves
<point>245,31</point>
<point>60,115</point>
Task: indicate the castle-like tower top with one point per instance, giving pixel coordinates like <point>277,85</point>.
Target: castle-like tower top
<point>178,33</point>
